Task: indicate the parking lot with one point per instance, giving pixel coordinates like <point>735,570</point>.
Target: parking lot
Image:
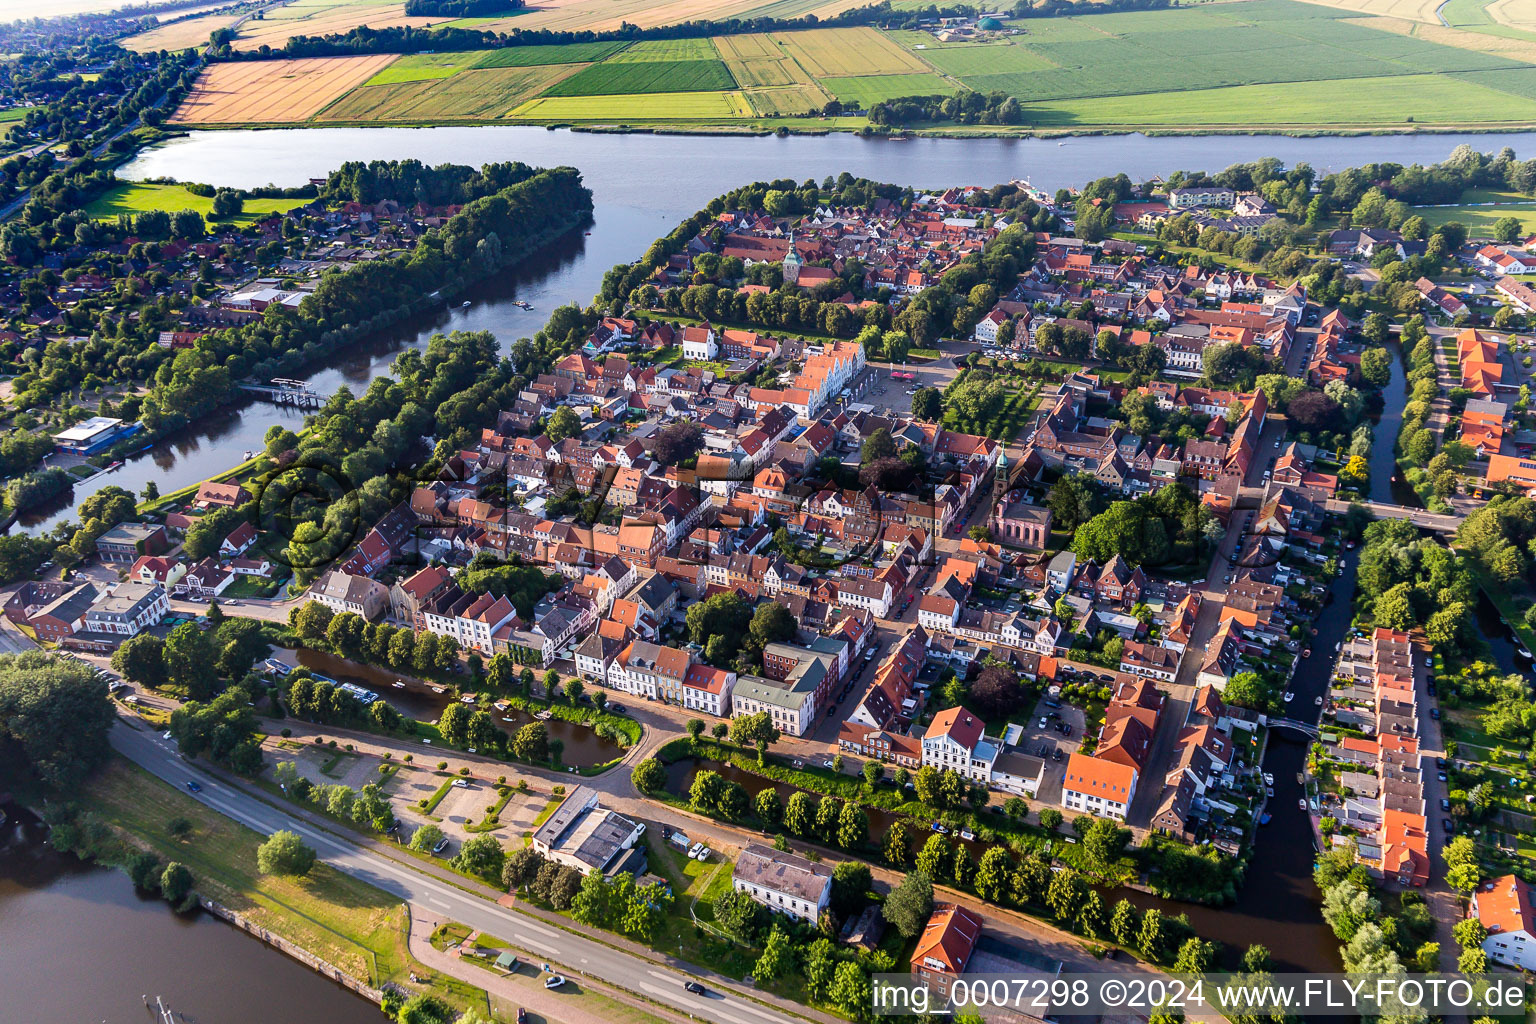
<point>1049,743</point>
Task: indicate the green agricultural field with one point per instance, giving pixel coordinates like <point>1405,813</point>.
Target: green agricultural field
<point>138,198</point>
<point>758,60</point>
<point>13,114</point>
<point>688,106</point>
<point>612,78</point>
<point>1420,99</point>
<point>423,67</point>
<point>528,56</point>
<point>488,94</point>
<point>666,50</point>
<point>872,89</point>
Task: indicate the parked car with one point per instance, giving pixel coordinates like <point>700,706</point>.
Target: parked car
<point>1434,713</point>
<point>554,982</point>
<point>1447,825</point>
<point>442,844</point>
<point>460,784</point>
<point>693,851</point>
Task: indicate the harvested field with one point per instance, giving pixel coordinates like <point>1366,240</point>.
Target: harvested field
<point>178,36</point>
<point>322,19</point>
<point>836,52</point>
<point>793,99</point>
<point>1411,10</point>
<point>485,94</point>
<point>615,79</point>
<point>637,108</point>
<point>872,89</point>
<point>273,91</point>
<point>985,59</point>
<point>757,60</point>
<point>1517,15</point>
<point>1481,42</point>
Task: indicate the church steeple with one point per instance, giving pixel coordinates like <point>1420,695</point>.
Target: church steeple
<point>792,261</point>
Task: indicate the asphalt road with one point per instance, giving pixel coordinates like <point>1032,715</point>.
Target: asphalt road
<point>440,901</point>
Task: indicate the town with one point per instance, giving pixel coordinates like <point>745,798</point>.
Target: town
<point>898,547</point>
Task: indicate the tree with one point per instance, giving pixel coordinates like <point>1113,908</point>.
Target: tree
<point>531,742</point>
<point>1150,937</point>
<point>591,905</point>
<point>1104,840</point>
<point>908,906</point>
<point>850,991</point>
<point>777,956</point>
<point>898,843</point>
<point>799,813</point>
<point>574,690</point>
<point>677,442</point>
<point>695,728</point>
<point>1195,956</point>
<point>227,203</point>
<point>1071,501</point>
<point>996,692</point>
<point>563,423</point>
<point>1123,923</point>
<point>993,874</point>
<point>872,771</point>
<point>852,826</point>
<point>928,404</point>
<point>772,623</point>
<point>707,789</point>
<point>190,661</point>
<point>481,855</point>
<point>736,913</point>
<point>768,807</point>
<point>284,853</point>
<point>649,776</point>
<point>54,715</point>
<point>426,838</point>
<point>1050,818</point>
<point>1506,229</point>
<point>851,881</point>
<point>878,445</point>
<point>176,883</point>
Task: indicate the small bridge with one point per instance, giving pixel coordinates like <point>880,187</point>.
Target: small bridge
<point>1435,521</point>
<point>284,391</point>
<point>1291,723</point>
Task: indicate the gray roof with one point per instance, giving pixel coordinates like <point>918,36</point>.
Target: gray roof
<point>71,605</point>
<point>125,600</point>
<point>787,873</point>
<point>581,829</point>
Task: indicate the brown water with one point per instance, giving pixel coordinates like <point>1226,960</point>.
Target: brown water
<point>417,699</point>
<point>78,945</point>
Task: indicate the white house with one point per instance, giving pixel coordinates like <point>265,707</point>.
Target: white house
<point>699,343</point>
<point>1504,908</point>
<point>954,740</point>
<point>708,689</point>
<point>783,882</point>
<point>1095,786</point>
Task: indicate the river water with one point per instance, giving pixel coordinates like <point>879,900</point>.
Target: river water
<point>642,186</point>
<point>80,945</point>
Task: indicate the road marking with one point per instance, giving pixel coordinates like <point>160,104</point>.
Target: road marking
<point>437,902</point>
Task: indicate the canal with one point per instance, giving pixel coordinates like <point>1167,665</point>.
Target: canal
<point>424,702</point>
<point>81,945</point>
<point>643,185</point>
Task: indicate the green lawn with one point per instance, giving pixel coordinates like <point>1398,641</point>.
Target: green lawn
<point>870,89</point>
<point>335,916</point>
<point>138,198</point>
<point>1479,217</point>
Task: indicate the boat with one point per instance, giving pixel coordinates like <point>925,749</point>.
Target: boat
<point>508,718</point>
<point>1264,818</point>
<point>1302,803</point>
<point>398,685</point>
<point>939,828</point>
<point>967,834</point>
<point>1523,653</point>
<point>468,698</point>
<point>544,716</point>
<point>464,304</point>
<point>438,689</point>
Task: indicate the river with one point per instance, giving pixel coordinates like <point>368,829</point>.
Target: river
<point>642,186</point>
<point>120,946</point>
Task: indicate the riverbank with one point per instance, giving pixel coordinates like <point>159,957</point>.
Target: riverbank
<point>805,128</point>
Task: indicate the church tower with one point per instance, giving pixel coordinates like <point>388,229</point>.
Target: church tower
<point>792,261</point>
